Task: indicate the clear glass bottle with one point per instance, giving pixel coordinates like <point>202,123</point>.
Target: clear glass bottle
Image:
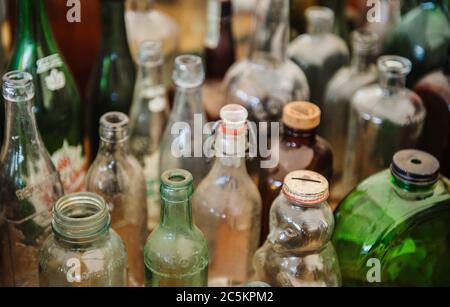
<point>265,81</point>
<point>82,251</point>
<point>300,148</point>
<point>298,251</point>
<point>117,176</point>
<point>227,204</point>
<point>384,118</point>
<point>392,229</point>
<point>148,119</point>
<point>29,185</point>
<point>319,53</point>
<point>176,252</point>
<point>140,16</point>
<point>182,144</point>
<point>219,55</point>
<point>57,102</point>
<point>111,84</point>
<point>422,36</point>
<point>434,89</point>
<point>339,92</point>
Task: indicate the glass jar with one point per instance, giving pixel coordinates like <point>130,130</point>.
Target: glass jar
<point>82,251</point>
<point>298,251</point>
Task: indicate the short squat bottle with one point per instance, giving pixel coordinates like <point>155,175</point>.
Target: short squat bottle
<point>29,185</point>
<point>397,221</point>
<point>298,251</point>
<point>300,148</point>
<point>176,252</point>
<point>117,176</point>
<point>82,251</point>
<point>319,53</point>
<point>227,204</point>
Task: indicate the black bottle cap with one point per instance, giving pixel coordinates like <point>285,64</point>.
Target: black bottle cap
<point>415,167</point>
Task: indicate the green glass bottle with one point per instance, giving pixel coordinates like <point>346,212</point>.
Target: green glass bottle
<point>176,253</point>
<point>57,101</point>
<point>422,36</point>
<point>111,84</point>
<point>392,230</point>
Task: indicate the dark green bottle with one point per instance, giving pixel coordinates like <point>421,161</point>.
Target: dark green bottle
<point>422,36</point>
<point>112,80</point>
<point>393,229</point>
<point>57,100</point>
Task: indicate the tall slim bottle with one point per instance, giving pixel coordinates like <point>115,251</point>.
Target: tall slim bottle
<point>57,101</point>
<point>111,84</point>
<point>182,143</point>
<point>227,204</point>
<point>117,176</point>
<point>319,53</point>
<point>384,118</point>
<point>176,252</point>
<point>148,118</point>
<point>219,54</point>
<point>29,185</point>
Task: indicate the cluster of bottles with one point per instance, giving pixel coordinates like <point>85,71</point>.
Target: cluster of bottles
<point>102,199</point>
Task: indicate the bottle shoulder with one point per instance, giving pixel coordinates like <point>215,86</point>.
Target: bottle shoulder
<point>313,49</point>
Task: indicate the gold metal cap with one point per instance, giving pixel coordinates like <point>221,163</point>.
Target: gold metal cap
<point>306,187</point>
<point>301,115</point>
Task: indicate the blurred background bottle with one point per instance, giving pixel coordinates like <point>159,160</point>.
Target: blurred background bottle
<point>29,185</point>
<point>111,83</point>
<point>400,218</point>
<point>117,176</point>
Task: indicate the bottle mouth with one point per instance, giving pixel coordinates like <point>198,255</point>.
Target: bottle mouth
<point>114,127</point>
<point>176,185</point>
<point>394,66</point>
<point>188,71</point>
<point>80,217</point>
<point>150,53</point>
<point>18,86</point>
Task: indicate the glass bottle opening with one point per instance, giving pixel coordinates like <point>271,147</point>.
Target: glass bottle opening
<point>188,71</point>
<point>18,86</point>
<point>176,186</point>
<point>114,127</point>
<point>81,217</point>
<point>150,53</point>
<point>394,66</point>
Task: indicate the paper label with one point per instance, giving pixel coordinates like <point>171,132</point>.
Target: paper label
<point>56,79</point>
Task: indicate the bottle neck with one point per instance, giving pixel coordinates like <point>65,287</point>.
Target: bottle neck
<point>114,36</point>
<point>188,98</point>
<point>297,138</point>
<point>410,191</point>
<point>361,60</point>
<point>176,209</point>
<point>392,83</point>
<point>150,75</point>
<point>230,151</point>
<point>271,37</point>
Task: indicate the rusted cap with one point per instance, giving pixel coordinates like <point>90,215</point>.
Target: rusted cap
<point>301,115</point>
<point>306,187</point>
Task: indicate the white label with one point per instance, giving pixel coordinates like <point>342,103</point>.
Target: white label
<point>152,179</point>
<point>71,165</point>
<point>48,63</point>
<point>213,28</point>
<point>56,79</point>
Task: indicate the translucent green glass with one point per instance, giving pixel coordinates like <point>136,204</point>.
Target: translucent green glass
<point>176,253</point>
<point>409,236</point>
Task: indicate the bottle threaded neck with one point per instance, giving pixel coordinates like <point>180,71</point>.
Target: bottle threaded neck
<point>81,217</point>
<point>18,86</point>
<point>176,185</point>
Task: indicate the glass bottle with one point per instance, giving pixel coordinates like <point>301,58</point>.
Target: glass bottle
<point>148,119</point>
<point>319,53</point>
<point>182,143</point>
<point>298,251</point>
<point>82,251</point>
<point>29,185</point>
<point>299,149</point>
<point>422,36</point>
<point>434,89</point>
<point>265,81</point>
<point>339,92</point>
<point>111,83</point>
<point>57,100</point>
<point>384,118</point>
<point>140,16</point>
<point>227,204</point>
<point>340,25</point>
<point>392,229</point>
<point>219,54</point>
<point>176,252</point>
<point>117,176</point>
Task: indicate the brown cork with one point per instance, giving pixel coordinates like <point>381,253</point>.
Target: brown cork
<point>301,115</point>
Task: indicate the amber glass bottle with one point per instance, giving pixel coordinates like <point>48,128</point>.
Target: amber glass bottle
<point>299,149</point>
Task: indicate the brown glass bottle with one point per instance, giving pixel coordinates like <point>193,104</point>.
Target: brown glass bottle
<point>434,89</point>
<point>219,55</point>
<point>300,149</point>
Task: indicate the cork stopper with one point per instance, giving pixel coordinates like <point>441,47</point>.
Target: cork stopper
<point>301,115</point>
<point>306,187</point>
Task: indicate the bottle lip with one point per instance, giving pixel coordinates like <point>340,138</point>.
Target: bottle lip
<point>188,71</point>
<point>80,217</point>
<point>114,127</point>
<point>150,53</point>
<point>18,86</point>
<point>176,178</point>
<point>17,78</point>
<point>394,66</point>
<point>415,167</point>
<point>306,187</point>
<point>301,115</point>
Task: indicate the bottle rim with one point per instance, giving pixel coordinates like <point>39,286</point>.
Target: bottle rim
<point>17,78</point>
<point>176,178</point>
<point>394,66</point>
<point>114,127</point>
<point>150,53</point>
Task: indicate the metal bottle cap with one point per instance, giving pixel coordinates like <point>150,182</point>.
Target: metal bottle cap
<point>306,187</point>
<point>415,167</point>
<point>301,115</point>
